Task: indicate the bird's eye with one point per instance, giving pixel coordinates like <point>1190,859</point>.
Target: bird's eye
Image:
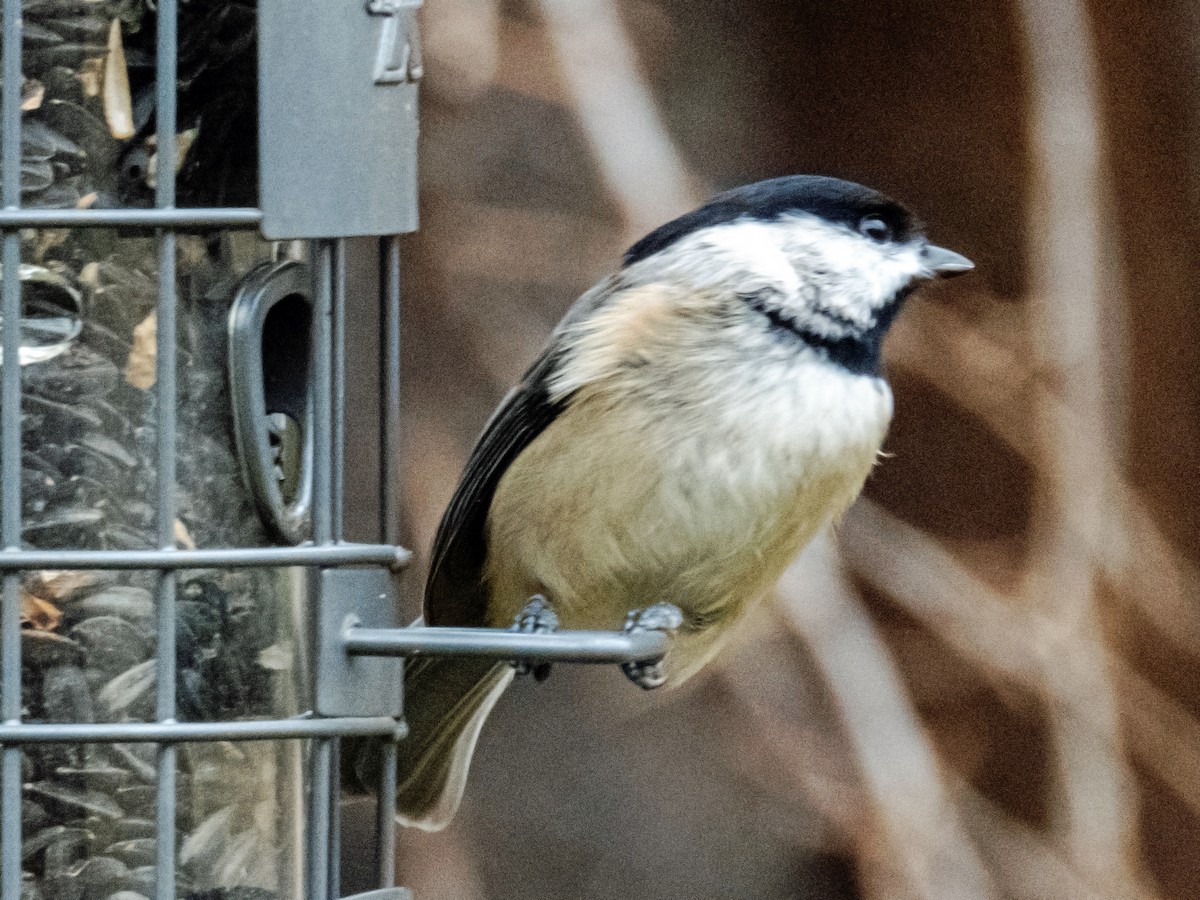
<point>875,228</point>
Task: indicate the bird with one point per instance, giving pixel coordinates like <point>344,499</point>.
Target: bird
<point>693,421</point>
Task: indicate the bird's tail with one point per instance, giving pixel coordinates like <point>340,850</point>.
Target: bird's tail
<point>446,703</point>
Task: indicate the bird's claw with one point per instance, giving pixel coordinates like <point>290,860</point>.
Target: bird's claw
<point>538,617</point>
<point>660,617</point>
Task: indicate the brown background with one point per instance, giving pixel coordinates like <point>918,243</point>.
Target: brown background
<point>985,686</point>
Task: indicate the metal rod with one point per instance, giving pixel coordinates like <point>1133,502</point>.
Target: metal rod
<point>334,888</point>
<point>322,400</point>
<point>600,647</point>
<point>10,107</point>
<point>11,774</point>
<point>167,406</point>
<point>337,437</point>
<point>389,526</point>
<point>320,844</point>
<point>196,732</point>
<point>10,453</point>
<point>318,818</point>
<point>10,756</point>
<point>385,816</point>
<point>233,557</point>
<point>130,218</point>
<point>390,405</point>
<point>164,823</point>
<point>10,603</point>
<point>166,42</point>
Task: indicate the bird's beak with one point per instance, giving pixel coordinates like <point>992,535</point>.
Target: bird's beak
<point>946,263</point>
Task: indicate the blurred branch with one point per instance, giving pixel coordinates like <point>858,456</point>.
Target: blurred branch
<point>641,166</point>
<point>461,42</point>
<point>968,363</point>
<point>1032,869</point>
<point>1164,735</point>
<point>1015,641</point>
<point>931,855</point>
<point>960,607</point>
<point>1069,270</point>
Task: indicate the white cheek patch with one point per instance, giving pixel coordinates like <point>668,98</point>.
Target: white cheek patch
<point>820,273</point>
<point>876,271</point>
<point>855,277</point>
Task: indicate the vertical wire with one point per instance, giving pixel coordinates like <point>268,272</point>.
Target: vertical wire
<point>338,363</point>
<point>323,460</point>
<point>338,514</point>
<point>322,399</point>
<point>337,472</point>
<point>167,401</point>
<point>10,454</point>
<point>318,819</point>
<point>335,818</point>
<point>389,512</point>
<point>385,816</point>
<point>389,526</point>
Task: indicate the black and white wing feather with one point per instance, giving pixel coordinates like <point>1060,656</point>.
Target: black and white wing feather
<point>455,593</point>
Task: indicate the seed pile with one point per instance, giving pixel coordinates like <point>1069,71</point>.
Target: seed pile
<point>88,469</point>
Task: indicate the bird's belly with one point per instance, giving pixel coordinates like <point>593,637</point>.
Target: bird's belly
<point>615,507</point>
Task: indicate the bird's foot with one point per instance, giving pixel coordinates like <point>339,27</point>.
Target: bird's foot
<point>538,617</point>
<point>659,617</point>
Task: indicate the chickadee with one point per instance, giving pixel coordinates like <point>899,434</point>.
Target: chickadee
<point>694,420</point>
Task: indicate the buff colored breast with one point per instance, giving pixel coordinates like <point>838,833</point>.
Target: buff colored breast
<point>625,502</point>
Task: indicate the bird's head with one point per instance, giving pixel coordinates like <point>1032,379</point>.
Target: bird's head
<point>825,261</point>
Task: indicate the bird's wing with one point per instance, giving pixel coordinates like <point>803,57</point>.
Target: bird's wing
<point>454,592</point>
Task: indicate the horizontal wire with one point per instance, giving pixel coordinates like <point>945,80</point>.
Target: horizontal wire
<point>196,732</point>
<point>396,558</point>
<point>131,218</point>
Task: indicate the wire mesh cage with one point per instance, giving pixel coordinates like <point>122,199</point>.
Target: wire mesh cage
<point>172,447</point>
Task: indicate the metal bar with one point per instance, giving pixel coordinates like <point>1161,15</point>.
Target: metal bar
<point>390,405</point>
<point>322,398</point>
<point>600,647</point>
<point>396,558</point>
<point>167,406</point>
<point>130,218</point>
<point>10,141</point>
<point>385,816</point>
<point>334,888</point>
<point>10,604</point>
<point>11,825</point>
<point>10,757</point>
<point>165,651</point>
<point>10,453</point>
<point>337,435</point>
<point>318,821</point>
<point>196,732</point>
<point>164,823</point>
<point>389,526</point>
<point>337,439</point>
<point>321,755</point>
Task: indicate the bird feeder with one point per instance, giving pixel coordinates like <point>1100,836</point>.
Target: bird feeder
<point>192,193</point>
<point>172,450</point>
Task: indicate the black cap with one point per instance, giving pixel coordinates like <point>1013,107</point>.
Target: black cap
<point>832,199</point>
